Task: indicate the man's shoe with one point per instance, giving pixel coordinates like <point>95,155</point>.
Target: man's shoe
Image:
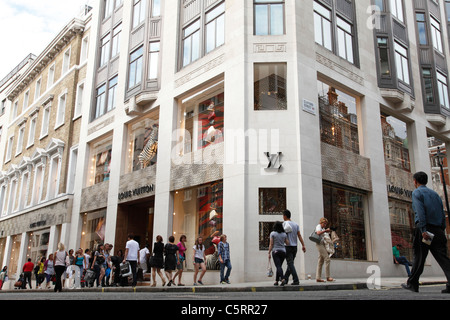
<point>295,283</point>
<point>446,290</point>
<point>410,287</point>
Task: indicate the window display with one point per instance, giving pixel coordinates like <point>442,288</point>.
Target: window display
<point>101,161</point>
<point>198,212</point>
<point>345,210</point>
<point>272,201</point>
<point>210,118</point>
<point>338,118</point>
<point>93,229</point>
<point>395,141</point>
<point>402,226</point>
<point>270,86</point>
<point>143,144</point>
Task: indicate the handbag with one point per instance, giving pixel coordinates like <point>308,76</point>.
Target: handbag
<point>269,269</point>
<point>314,237</point>
<point>287,227</point>
<point>125,270</point>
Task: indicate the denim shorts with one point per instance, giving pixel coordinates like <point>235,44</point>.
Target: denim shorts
<point>197,260</point>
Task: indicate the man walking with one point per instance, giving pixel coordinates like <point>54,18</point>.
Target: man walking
<point>132,256</point>
<point>27,270</point>
<point>429,218</point>
<point>291,249</point>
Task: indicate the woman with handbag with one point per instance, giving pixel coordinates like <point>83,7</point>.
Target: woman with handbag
<point>181,259</point>
<point>324,257</point>
<point>61,263</point>
<point>156,261</point>
<point>278,240</point>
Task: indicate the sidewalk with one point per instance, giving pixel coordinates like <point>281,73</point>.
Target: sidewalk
<point>264,286</point>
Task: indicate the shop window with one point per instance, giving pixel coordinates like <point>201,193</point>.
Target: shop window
<point>100,162</point>
<point>345,210</point>
<point>143,144</point>
<point>272,201</point>
<point>202,120</point>
<point>402,226</point>
<point>198,212</point>
<point>395,141</point>
<point>265,228</point>
<point>270,86</point>
<point>93,229</point>
<point>338,118</point>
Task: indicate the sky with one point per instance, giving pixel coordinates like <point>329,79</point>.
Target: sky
<point>28,26</point>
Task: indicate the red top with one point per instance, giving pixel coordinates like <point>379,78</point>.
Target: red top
<point>28,267</point>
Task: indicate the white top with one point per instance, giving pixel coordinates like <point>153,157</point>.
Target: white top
<point>199,252</point>
<point>133,249</point>
<point>60,258</point>
<point>143,255</point>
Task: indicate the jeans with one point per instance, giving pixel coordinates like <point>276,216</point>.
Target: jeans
<point>405,262</point>
<point>227,264</point>
<point>278,259</point>
<point>291,253</point>
<point>133,265</point>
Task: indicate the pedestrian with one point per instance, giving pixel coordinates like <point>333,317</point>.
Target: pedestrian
<point>61,262</point>
<point>132,256</point>
<point>49,270</point>
<point>80,262</point>
<point>398,259</point>
<point>429,218</point>
<point>291,249</point>
<point>181,259</point>
<point>277,249</point>
<point>324,257</point>
<point>40,277</point>
<point>99,264</point>
<point>3,276</point>
<point>144,254</point>
<point>199,259</point>
<point>157,260</point>
<point>70,270</point>
<point>224,259</point>
<point>171,259</point>
<point>115,268</point>
<point>27,272</point>
<point>106,278</point>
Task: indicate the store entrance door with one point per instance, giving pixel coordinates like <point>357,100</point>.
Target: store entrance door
<point>137,218</point>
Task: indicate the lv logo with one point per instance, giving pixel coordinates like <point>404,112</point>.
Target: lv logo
<point>274,160</point>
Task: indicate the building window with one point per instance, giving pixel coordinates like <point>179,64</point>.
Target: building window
<point>93,230</point>
<point>395,142</point>
<point>428,85</point>
<point>270,86</point>
<point>115,50</point>
<point>143,144</point>
<point>105,50</point>
<point>66,62</point>
<point>422,28</point>
<point>402,226</point>
<point>397,9</point>
<point>156,8</point>
<point>9,149</point>
<point>109,8</point>
<point>153,71</point>
<point>215,27</point>
<point>198,212</point>
<point>436,35</point>
<point>79,100</point>
<point>112,94</point>
<point>443,90</point>
<point>100,101</point>
<point>72,170</point>
<point>32,132</point>
<point>84,49</point>
<point>333,31</point>
<point>12,196</point>
<point>135,70</point>
<point>402,63</point>
<point>61,113</point>
<point>19,147</point>
<point>269,17</point>
<point>51,76</point>
<point>345,210</point>
<point>139,12</point>
<point>37,89</point>
<point>338,118</point>
<point>45,122</point>
<point>26,100</point>
<point>23,197</point>
<point>191,43</point>
<point>53,179</point>
<point>37,185</point>
<point>106,98</point>
<point>383,53</point>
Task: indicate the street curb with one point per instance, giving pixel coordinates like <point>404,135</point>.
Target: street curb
<point>207,289</point>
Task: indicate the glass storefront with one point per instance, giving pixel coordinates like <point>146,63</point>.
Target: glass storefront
<point>198,212</point>
<point>338,118</point>
<point>402,226</point>
<point>345,210</point>
<point>100,166</point>
<point>38,244</point>
<point>143,144</point>
<point>395,141</point>
<point>93,230</point>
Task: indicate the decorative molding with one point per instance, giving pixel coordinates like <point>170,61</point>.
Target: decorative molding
<point>269,47</point>
<point>200,70</point>
<point>101,125</point>
<point>330,64</point>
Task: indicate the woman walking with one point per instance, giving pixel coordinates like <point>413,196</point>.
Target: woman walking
<point>99,264</point>
<point>324,257</point>
<point>80,262</point>
<point>199,260</point>
<point>171,260</point>
<point>156,261</point>
<point>60,266</point>
<point>49,270</point>
<point>181,259</point>
<point>278,240</point>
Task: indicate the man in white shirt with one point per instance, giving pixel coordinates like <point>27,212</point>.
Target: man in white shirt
<point>132,256</point>
<point>291,249</point>
<point>144,254</point>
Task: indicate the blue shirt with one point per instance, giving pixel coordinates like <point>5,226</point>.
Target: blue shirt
<point>428,208</point>
<point>224,250</point>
